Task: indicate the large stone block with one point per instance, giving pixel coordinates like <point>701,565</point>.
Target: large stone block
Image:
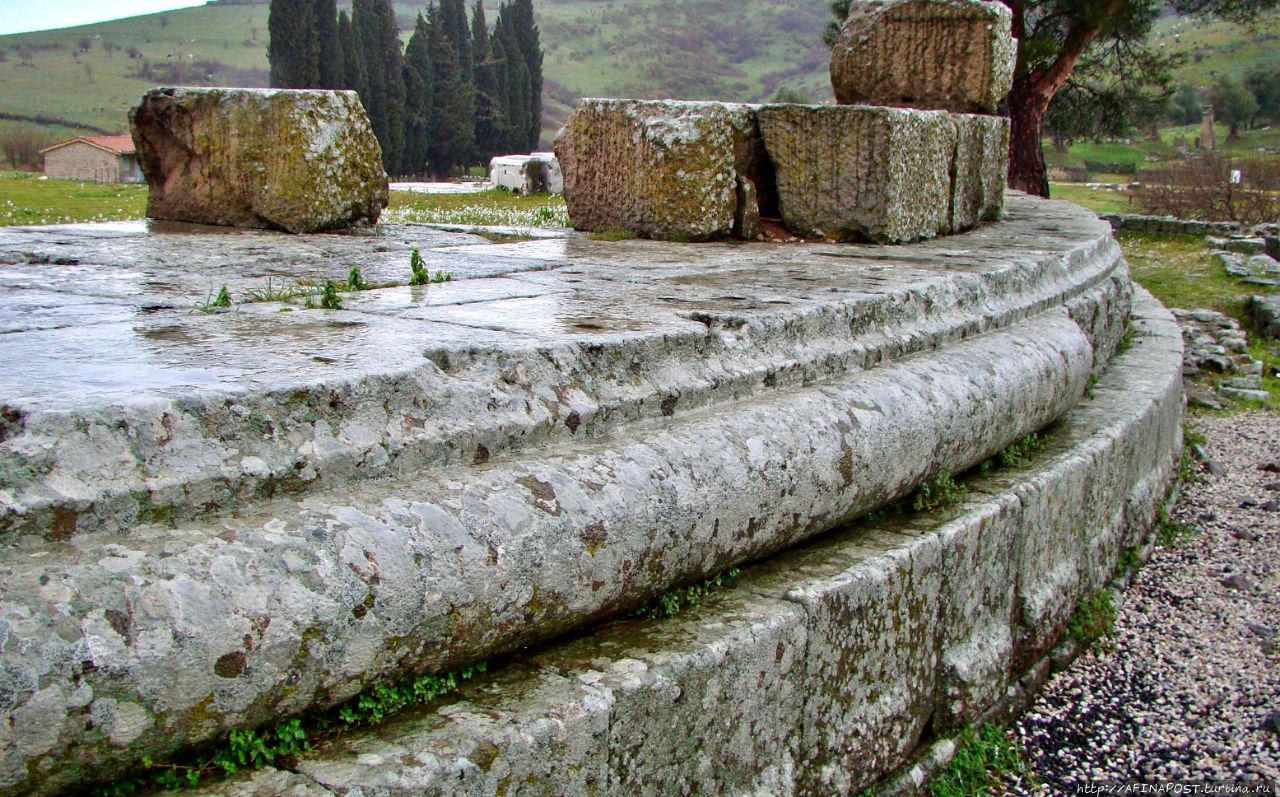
<point>861,173</point>
<point>662,169</point>
<point>980,170</point>
<point>954,55</point>
<point>301,161</point>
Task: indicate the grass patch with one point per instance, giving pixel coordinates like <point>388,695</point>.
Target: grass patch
<point>1098,200</point>
<point>986,755</point>
<point>25,199</point>
<point>492,208</point>
<point>938,493</point>
<point>1179,271</point>
<point>252,749</point>
<point>1170,532</point>
<point>675,601</point>
<point>1094,618</point>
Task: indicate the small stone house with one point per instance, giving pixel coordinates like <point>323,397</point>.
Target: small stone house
<point>102,159</point>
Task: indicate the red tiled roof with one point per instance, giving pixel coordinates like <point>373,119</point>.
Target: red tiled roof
<point>118,145</point>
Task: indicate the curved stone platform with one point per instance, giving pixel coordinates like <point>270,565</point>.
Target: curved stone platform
<point>303,503</point>
<point>824,668</point>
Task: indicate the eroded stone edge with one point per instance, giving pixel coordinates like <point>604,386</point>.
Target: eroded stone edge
<point>1124,445</point>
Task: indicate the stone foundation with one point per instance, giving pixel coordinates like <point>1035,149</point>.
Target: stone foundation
<point>213,521</point>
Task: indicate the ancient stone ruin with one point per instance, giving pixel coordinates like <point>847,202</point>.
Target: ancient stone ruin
<point>299,161</point>
<point>909,154</point>
<point>212,523</point>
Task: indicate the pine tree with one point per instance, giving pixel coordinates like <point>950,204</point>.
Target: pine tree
<point>291,46</point>
<point>514,81</point>
<point>419,83</point>
<point>329,67</point>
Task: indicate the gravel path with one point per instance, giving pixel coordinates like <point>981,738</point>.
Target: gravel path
<point>1189,687</point>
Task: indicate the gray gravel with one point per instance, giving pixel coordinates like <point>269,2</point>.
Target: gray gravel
<point>1189,687</point>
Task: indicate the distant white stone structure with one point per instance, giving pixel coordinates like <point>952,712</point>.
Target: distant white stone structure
<point>527,174</point>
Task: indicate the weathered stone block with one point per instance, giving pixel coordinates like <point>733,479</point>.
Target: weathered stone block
<point>301,161</point>
<point>980,170</point>
<point>662,169</point>
<point>1266,314</point>
<point>527,174</point>
<point>861,173</point>
<point>954,55</point>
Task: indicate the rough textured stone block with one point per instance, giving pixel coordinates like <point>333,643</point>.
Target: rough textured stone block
<point>954,55</point>
<point>980,172</point>
<point>861,173</point>
<point>1266,314</point>
<point>661,169</point>
<point>301,161</point>
<point>527,174</point>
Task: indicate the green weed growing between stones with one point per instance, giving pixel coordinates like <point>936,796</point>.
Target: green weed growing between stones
<point>248,749</point>
<point>213,303</point>
<point>675,601</point>
<point>986,755</point>
<point>1170,532</point>
<point>1093,619</point>
<point>442,276</point>
<point>329,298</point>
<point>938,493</point>
<point>355,280</point>
<point>419,274</point>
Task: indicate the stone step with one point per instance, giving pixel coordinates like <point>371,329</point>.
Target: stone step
<point>824,667</point>
<point>140,641</point>
<point>130,409</point>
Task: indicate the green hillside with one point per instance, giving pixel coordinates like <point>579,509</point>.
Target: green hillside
<point>1212,48</point>
<point>691,49</point>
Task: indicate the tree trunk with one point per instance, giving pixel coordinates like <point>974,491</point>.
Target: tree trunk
<point>1026,157</point>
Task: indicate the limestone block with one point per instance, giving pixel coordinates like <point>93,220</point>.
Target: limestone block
<point>300,161</point>
<point>872,617</point>
<point>1266,314</point>
<point>661,169</point>
<point>954,55</point>
<point>981,169</point>
<point>527,174</point>
<point>861,173</point>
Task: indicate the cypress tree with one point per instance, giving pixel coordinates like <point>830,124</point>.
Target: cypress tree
<point>453,131</point>
<point>291,45</point>
<point>377,40</point>
<point>531,53</point>
<point>352,76</point>
<point>329,66</point>
<point>514,80</point>
<point>419,83</point>
<point>488,108</point>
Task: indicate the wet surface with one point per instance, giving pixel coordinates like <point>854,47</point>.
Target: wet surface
<point>117,311</point>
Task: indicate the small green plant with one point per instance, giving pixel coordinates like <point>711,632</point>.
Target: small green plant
<point>329,298</point>
<point>1129,560</point>
<point>355,280</point>
<point>419,274</point>
<point>1089,389</point>
<point>214,303</point>
<point>1126,341</point>
<point>612,234</point>
<point>249,749</point>
<point>672,602</point>
<point>1020,451</point>
<point>1094,618</point>
<point>1170,532</point>
<point>442,276</point>
<point>938,493</point>
<point>272,293</point>
<point>986,755</point>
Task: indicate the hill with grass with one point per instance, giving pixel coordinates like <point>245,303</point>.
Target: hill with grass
<point>83,79</point>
